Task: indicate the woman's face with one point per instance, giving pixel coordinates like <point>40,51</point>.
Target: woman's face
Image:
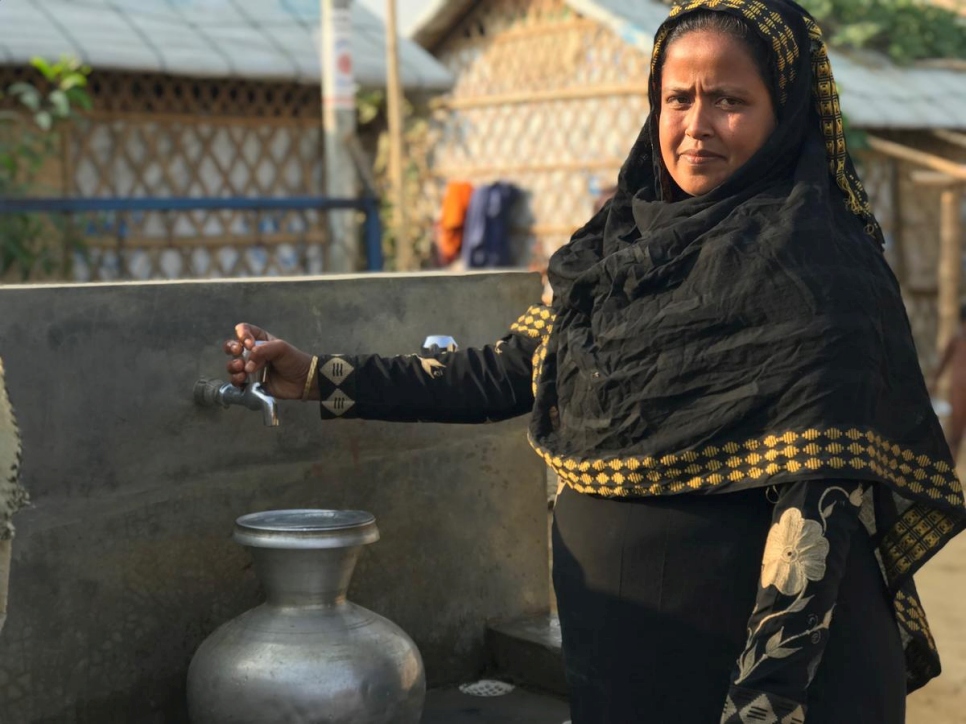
<point>716,111</point>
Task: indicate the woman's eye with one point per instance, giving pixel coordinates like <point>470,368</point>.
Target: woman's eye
<point>677,100</point>
<point>730,102</point>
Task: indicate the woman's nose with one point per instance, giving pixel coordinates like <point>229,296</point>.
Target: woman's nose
<point>698,122</point>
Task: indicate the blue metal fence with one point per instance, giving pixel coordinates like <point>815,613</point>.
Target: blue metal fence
<point>369,205</point>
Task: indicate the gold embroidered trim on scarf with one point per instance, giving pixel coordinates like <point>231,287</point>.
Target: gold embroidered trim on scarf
<point>832,452</point>
<point>911,616</point>
<point>536,322</point>
<point>913,537</point>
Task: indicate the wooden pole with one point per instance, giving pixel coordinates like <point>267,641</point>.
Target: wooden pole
<point>67,190</point>
<point>395,100</point>
<point>957,139</point>
<point>339,124</point>
<point>929,160</point>
<point>950,263</point>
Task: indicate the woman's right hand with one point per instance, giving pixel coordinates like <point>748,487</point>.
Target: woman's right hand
<point>287,366</point>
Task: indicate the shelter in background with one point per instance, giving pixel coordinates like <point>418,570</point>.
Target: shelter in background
<point>550,94</point>
<point>198,98</point>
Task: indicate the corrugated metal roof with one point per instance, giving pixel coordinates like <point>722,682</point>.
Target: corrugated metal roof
<point>262,39</point>
<point>875,92</point>
<point>437,20</point>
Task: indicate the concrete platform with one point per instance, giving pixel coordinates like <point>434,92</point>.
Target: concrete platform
<point>450,706</point>
<point>527,651</point>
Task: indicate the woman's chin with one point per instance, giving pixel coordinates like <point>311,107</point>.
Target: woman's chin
<point>700,189</point>
<point>701,184</point>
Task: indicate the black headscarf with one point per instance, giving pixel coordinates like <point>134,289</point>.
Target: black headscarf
<point>751,336</point>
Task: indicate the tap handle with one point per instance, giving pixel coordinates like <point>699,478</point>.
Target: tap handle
<point>436,343</point>
<point>255,376</point>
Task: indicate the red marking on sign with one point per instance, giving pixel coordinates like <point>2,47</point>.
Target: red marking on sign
<point>344,64</point>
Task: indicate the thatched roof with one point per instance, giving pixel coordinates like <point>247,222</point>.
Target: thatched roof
<point>255,39</point>
<point>875,92</point>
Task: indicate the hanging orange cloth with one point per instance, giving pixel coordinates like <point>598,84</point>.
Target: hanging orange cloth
<point>449,231</point>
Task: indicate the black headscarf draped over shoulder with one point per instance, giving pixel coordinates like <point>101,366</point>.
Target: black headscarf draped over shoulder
<point>751,336</point>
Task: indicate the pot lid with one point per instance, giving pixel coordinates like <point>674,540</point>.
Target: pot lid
<point>306,528</point>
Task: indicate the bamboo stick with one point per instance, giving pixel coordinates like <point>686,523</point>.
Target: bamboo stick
<point>957,139</point>
<point>929,160</point>
<point>394,97</point>
<point>525,168</point>
<point>562,94</point>
<point>165,118</point>
<point>312,236</point>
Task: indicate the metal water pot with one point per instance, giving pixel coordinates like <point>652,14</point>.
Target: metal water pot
<point>307,655</point>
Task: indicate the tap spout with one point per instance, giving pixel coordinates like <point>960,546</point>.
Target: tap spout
<point>210,393</point>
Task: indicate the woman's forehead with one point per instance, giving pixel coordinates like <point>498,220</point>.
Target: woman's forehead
<point>706,52</point>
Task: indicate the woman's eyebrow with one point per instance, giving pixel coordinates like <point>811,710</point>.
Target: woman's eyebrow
<point>715,90</point>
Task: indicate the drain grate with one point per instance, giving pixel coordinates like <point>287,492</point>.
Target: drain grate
<point>487,687</point>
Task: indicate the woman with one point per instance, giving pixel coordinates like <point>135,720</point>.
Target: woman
<point>12,495</point>
<point>727,387</point>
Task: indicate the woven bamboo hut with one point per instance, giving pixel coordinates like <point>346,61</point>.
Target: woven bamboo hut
<point>550,95</point>
<point>198,98</point>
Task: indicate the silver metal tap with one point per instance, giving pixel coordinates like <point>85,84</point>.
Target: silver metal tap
<point>210,393</point>
<point>437,343</point>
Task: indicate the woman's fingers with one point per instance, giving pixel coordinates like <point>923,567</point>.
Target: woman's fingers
<point>254,349</point>
<point>247,337</point>
<point>248,334</point>
<point>235,367</point>
<point>264,353</point>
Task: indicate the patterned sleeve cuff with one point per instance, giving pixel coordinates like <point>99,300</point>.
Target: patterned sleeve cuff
<point>536,322</point>
<point>337,387</point>
<point>745,706</point>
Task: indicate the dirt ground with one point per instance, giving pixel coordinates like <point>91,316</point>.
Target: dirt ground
<point>942,586</point>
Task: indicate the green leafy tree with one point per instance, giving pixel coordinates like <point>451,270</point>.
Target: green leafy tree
<point>371,114</point>
<point>905,30</point>
<point>30,126</point>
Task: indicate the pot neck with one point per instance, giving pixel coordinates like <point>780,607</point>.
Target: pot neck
<point>305,577</point>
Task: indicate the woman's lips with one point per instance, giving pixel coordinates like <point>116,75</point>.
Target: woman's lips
<point>699,158</point>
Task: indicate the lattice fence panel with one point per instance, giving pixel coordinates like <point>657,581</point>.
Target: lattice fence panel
<point>146,245</point>
<point>154,93</point>
<point>164,136</point>
<point>213,157</point>
<point>545,99</point>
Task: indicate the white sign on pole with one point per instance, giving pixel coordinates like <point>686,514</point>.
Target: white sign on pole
<point>339,84</point>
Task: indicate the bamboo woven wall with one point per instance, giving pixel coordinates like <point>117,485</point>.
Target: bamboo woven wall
<point>156,135</point>
<point>909,214</point>
<point>545,99</point>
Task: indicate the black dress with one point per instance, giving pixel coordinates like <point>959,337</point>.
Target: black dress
<point>654,598</point>
<point>663,615</point>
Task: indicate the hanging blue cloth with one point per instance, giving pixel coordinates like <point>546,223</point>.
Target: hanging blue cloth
<point>486,236</point>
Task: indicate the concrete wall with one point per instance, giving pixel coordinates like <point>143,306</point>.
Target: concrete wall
<point>125,563</point>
